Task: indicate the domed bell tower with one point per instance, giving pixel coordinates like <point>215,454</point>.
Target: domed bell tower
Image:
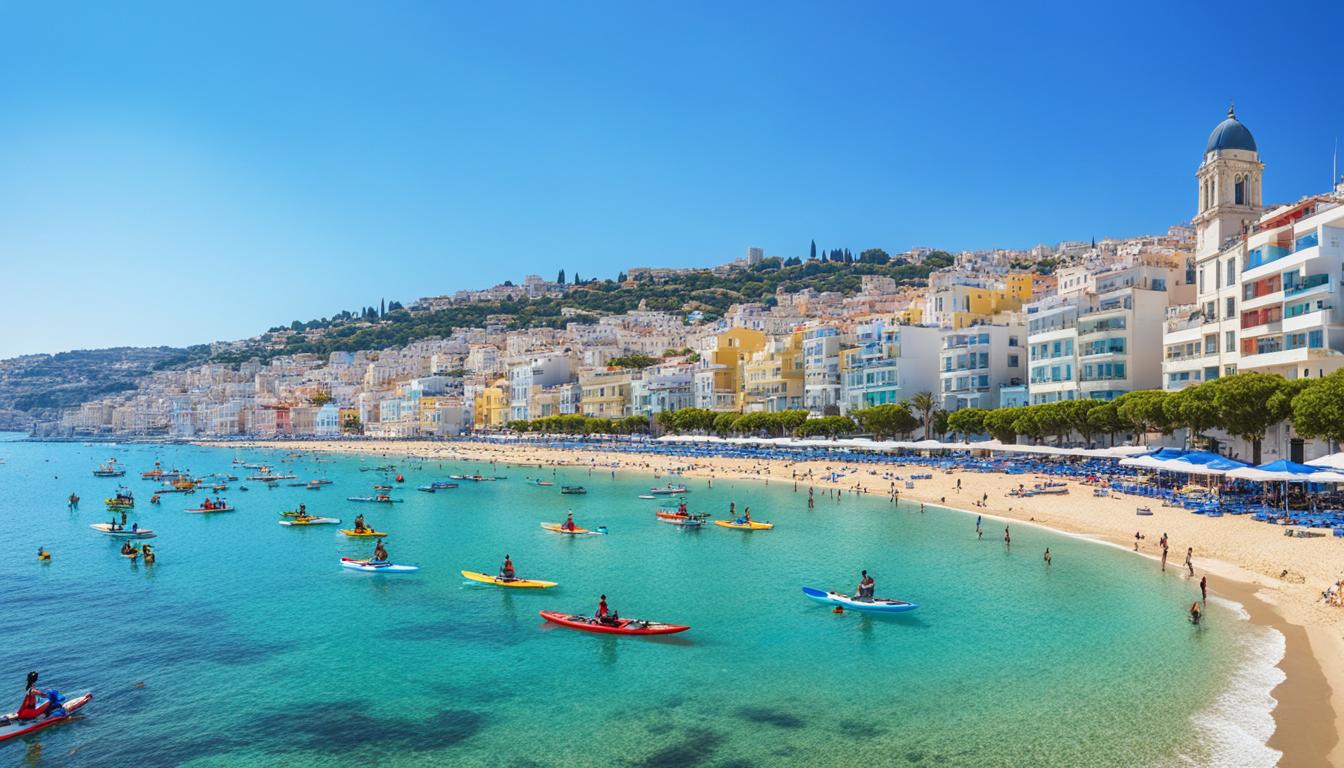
<point>1229,185</point>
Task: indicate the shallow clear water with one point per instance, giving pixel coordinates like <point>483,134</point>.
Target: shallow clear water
<point>248,645</point>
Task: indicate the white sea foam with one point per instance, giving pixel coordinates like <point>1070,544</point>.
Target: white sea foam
<point>1235,728</point>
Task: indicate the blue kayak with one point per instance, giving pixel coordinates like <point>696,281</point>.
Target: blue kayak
<point>874,605</point>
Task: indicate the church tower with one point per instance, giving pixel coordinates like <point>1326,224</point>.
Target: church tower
<point>1229,186</point>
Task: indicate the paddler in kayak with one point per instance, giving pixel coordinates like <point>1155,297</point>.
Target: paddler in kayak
<point>28,709</point>
<point>568,525</point>
<point>359,523</point>
<point>379,553</point>
<point>865,588</point>
<point>506,571</point>
<point>601,614</point>
<point>745,519</point>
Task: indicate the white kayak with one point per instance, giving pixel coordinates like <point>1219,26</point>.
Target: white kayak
<point>873,605</point>
<point>123,533</point>
<point>311,521</point>
<point>370,566</point>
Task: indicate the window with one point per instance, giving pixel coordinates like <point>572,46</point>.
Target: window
<point>1211,344</point>
<point>1315,339</point>
<point>1240,193</point>
<point>1211,310</point>
<point>1230,340</point>
<point>1012,341</point>
<point>1012,361</point>
<point>1231,271</point>
<point>1202,270</point>
<point>1231,307</point>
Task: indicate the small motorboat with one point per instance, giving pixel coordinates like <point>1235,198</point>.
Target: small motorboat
<point>119,532</point>
<point>374,566</point>
<point>669,490</point>
<point>573,490</point>
<point>379,499</point>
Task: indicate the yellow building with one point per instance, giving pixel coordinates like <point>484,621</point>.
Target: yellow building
<point>348,416</point>
<point>605,393</point>
<point>773,376</point>
<point>718,382</point>
<point>492,406</point>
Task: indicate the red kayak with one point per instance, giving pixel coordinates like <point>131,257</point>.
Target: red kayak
<point>12,727</point>
<point>619,627</point>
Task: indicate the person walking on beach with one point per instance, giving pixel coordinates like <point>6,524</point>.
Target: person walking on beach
<point>1189,559</point>
<point>1048,558</point>
<point>1204,588</point>
<point>958,485</point>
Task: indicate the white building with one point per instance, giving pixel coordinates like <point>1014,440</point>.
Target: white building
<point>891,363</point>
<point>975,362</point>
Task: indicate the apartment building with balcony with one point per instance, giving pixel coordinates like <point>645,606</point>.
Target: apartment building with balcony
<point>773,376</point>
<point>976,362</point>
<point>821,369</point>
<point>891,363</point>
<point>1268,281</point>
<point>1098,341</point>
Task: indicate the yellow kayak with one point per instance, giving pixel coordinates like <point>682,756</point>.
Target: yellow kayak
<point>365,532</point>
<point>486,578</point>
<point>752,526</point>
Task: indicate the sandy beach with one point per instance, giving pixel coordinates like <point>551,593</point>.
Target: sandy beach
<point>1279,579</point>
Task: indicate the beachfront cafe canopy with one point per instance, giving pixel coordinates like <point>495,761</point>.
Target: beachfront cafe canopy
<point>868,444</point>
<point>1287,472</point>
<point>1333,461</point>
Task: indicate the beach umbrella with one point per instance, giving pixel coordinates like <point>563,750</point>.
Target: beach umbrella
<point>1333,461</point>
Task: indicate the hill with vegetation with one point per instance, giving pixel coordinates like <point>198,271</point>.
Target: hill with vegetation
<point>703,290</point>
<point>37,387</point>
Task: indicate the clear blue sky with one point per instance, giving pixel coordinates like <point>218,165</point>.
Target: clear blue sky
<point>170,175</point>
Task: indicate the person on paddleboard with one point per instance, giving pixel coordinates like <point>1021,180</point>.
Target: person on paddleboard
<point>601,614</point>
<point>866,587</point>
<point>506,570</point>
<point>379,552</point>
<point>28,709</point>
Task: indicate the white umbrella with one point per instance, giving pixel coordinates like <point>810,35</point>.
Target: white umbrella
<point>1333,461</point>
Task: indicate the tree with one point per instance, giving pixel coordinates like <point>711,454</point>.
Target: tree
<point>999,423</point>
<point>939,423</point>
<point>1194,408</point>
<point>631,361</point>
<point>888,420</point>
<point>924,403</point>
<point>1144,411</point>
<point>633,425</point>
<point>1318,409</point>
<point>1105,420</point>
<point>621,277</point>
<point>1077,412</point>
<point>1049,419</point>
<point>518,425</point>
<point>813,254</point>
<point>560,278</point>
<point>666,420</point>
<point>1028,422</point>
<point>874,256</point>
<point>826,426</point>
<point>382,307</point>
<point>352,425</point>
<point>1242,403</point>
<point>725,423</point>
<point>576,278</point>
<point>320,398</point>
<point>967,422</point>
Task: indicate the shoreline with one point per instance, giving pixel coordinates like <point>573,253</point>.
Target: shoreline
<point>1242,555</point>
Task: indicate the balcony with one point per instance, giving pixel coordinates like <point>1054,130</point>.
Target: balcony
<point>1265,254</point>
<point>1309,240</point>
<point>1312,281</point>
<point>1117,324</point>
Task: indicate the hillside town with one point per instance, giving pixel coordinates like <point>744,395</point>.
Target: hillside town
<point>1245,286</point>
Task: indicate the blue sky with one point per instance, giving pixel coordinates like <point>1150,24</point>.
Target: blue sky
<point>176,175</point>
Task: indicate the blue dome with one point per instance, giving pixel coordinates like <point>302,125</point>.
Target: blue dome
<point>1231,134</point>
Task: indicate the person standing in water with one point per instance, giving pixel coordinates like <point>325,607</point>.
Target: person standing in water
<point>1189,559</point>
<point>1007,537</point>
<point>1204,588</point>
<point>1048,558</point>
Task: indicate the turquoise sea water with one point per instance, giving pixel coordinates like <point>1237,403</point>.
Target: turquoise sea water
<point>248,645</point>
